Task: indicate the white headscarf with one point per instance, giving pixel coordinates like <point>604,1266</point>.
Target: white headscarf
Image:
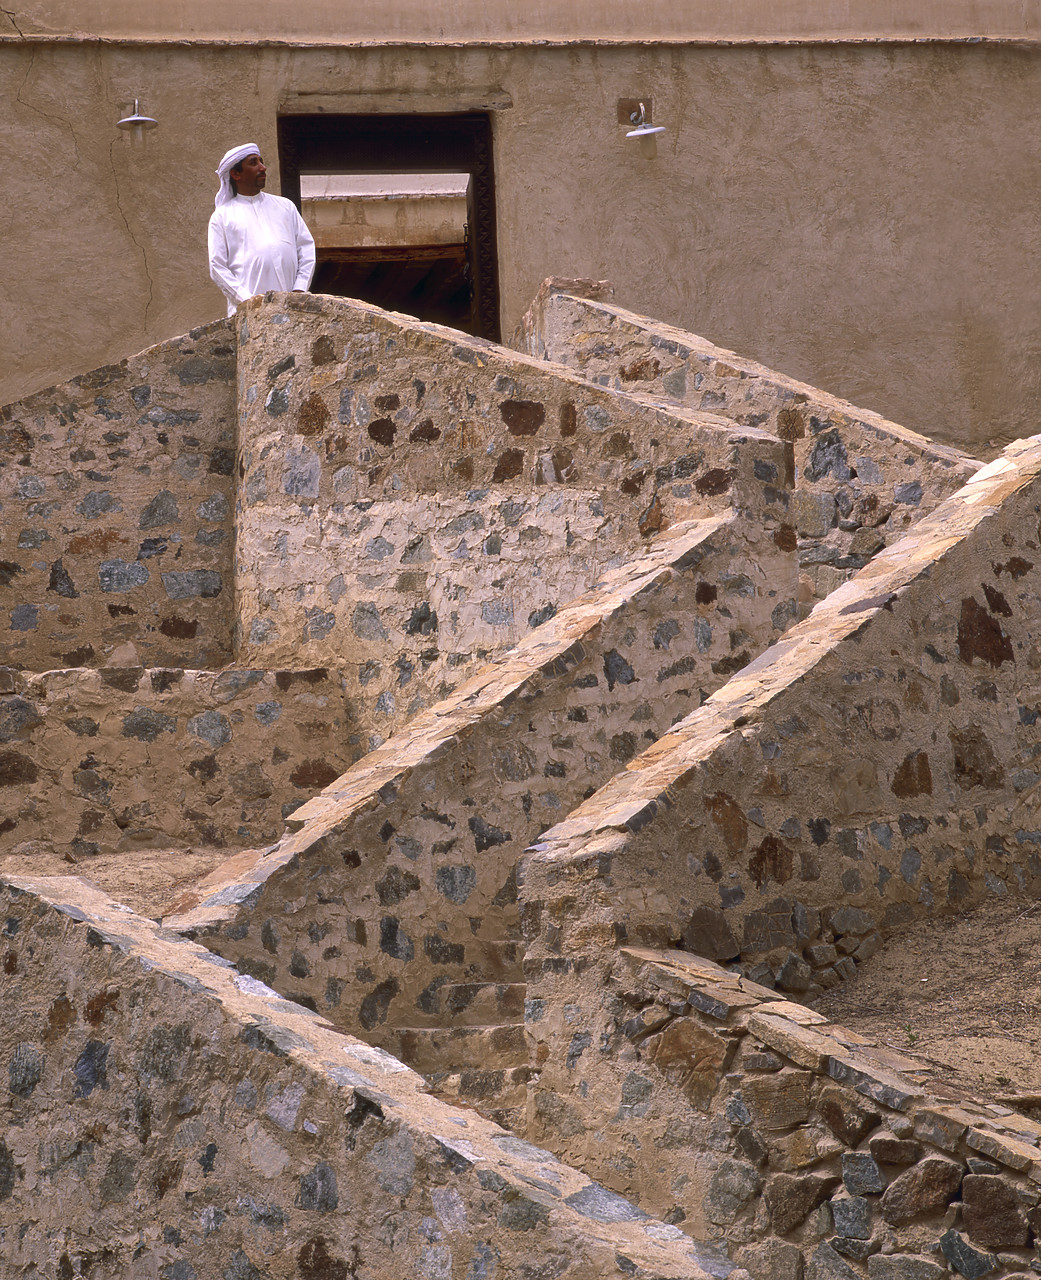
<point>232,159</point>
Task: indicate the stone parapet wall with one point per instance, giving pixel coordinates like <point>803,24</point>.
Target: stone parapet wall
<point>166,1117</point>
<point>120,759</point>
<point>404,870</point>
<point>353,419</point>
<point>861,481</point>
<point>116,492</point>
<point>878,764</point>
<point>816,1152</point>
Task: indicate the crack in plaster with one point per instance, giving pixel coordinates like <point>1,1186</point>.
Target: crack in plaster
<point>130,231</point>
<point>60,121</point>
<point>9,14</point>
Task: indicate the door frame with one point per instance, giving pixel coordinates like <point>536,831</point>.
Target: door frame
<point>376,144</point>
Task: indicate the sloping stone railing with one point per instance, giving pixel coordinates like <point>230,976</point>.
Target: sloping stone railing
<point>861,481</point>
<point>411,500</point>
<point>118,498</point>
<point>876,765</point>
<point>817,1152</point>
<point>166,1116</point>
<point>118,759</point>
<point>398,883</point>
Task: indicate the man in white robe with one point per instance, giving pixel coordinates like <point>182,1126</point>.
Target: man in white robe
<point>257,241</point>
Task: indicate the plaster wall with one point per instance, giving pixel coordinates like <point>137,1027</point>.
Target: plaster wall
<point>472,20</point>
<point>806,204</point>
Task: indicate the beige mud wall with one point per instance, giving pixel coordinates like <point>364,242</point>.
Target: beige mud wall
<point>862,216</point>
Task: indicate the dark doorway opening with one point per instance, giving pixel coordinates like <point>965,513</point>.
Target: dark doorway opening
<point>452,283</point>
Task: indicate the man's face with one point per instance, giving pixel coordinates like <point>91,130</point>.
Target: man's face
<point>250,176</point>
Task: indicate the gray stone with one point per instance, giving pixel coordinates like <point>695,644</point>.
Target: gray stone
<point>161,510</point>
<point>909,494</point>
<point>97,503</point>
<point>301,473</point>
<point>771,1260</point>
<point>825,1264</point>
<point>211,727</point>
<point>853,1247</point>
<point>903,1266</point>
<point>963,1258</point>
<point>147,725</point>
<point>731,1187</point>
<point>214,508</point>
<point>868,471</point>
<point>795,974</point>
<point>25,1069</point>
<point>828,458</point>
<point>455,883</point>
<point>186,584</point>
<point>366,623</point>
<point>17,717</point>
<point>813,512</point>
<point>861,1175</point>
<point>852,920</point>
<point>121,575</point>
<point>852,1216</point>
<point>318,1190</point>
<point>601,1205</point>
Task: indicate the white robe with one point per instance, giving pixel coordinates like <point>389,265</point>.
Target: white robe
<point>258,243</point>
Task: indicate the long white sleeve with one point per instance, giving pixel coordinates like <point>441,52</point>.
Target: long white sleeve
<point>221,272</point>
<point>305,254</point>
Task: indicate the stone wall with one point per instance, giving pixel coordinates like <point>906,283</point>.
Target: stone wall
<point>165,1117</point>
<point>116,491</point>
<point>413,500</point>
<point>399,884</point>
<point>876,765</point>
<point>123,758</point>
<point>816,1152</point>
<point>860,481</point>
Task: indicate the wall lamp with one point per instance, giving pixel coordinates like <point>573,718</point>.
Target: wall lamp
<point>137,125</point>
<point>644,132</point>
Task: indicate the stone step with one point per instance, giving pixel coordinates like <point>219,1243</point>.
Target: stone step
<point>438,1050</point>
<point>469,1004</point>
<point>500,1095</point>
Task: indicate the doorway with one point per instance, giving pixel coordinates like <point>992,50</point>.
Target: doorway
<point>404,207</point>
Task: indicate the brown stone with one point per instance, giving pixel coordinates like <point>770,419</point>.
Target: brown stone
<point>992,1214</point>
<point>771,860</point>
<point>522,417</point>
<point>849,1122</point>
<point>792,1197</point>
<point>729,817</point>
<point>913,777</point>
<point>975,764</point>
<point>692,1058</point>
<point>927,1187</point>
<point>779,1101</point>
<point>980,636</point>
<point>708,934</point>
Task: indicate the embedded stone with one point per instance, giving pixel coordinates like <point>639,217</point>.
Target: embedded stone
<point>963,1258</point>
<point>852,1216</point>
<point>887,1148</point>
<point>771,1260</point>
<point>860,1174</point>
<point>927,1187</point>
<point>903,1266</point>
<point>791,1198</point>
<point>191,583</point>
<point>992,1214</point>
<point>813,512</point>
<point>692,1057</point>
<point>161,510</point>
<point>121,575</point>
<point>826,1264</point>
<point>779,1101</point>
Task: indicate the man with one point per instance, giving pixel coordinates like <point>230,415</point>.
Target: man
<point>257,241</point>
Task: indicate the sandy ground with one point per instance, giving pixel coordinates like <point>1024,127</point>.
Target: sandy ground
<point>961,993</point>
<point>147,880</point>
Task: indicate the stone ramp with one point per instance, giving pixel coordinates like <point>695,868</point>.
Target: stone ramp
<point>167,1116</point>
<point>876,765</point>
<point>817,1148</point>
<point>404,868</point>
<point>861,481</point>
